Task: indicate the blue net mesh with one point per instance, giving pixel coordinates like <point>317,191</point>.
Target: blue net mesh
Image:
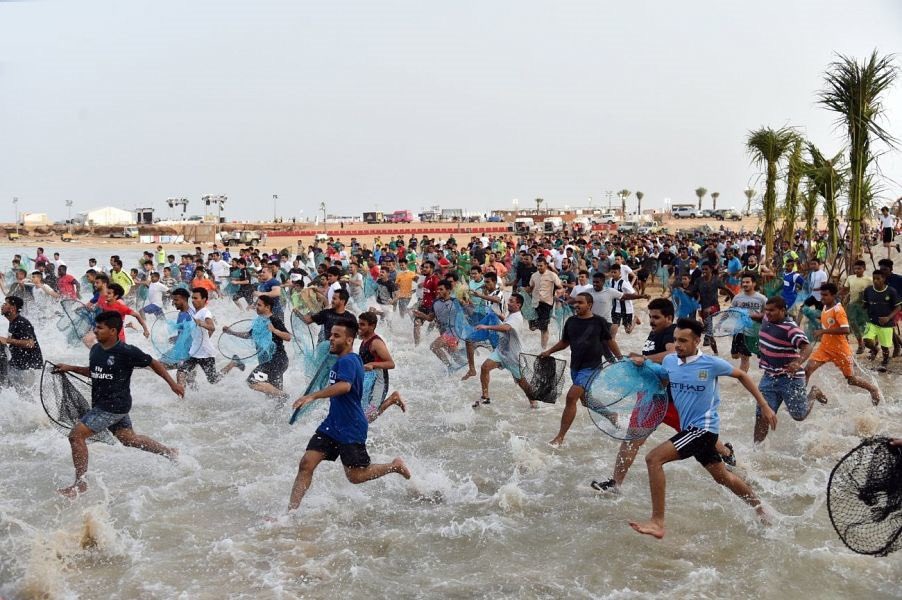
<point>562,312</point>
<point>528,310</point>
<point>319,381</point>
<point>663,276</point>
<point>772,288</point>
<point>728,322</point>
<point>232,288</point>
<point>173,340</point>
<point>751,336</point>
<point>464,321</point>
<point>625,401</point>
<point>238,342</point>
<point>812,321</point>
<point>369,286</point>
<point>263,339</point>
<point>858,317</point>
<point>76,322</point>
<point>302,336</point>
<point>684,304</point>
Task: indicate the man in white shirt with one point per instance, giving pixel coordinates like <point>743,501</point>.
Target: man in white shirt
<point>502,357</point>
<point>887,229</point>
<point>220,270</point>
<point>202,352</point>
<point>582,285</point>
<point>155,291</point>
<point>816,277</point>
<point>622,311</point>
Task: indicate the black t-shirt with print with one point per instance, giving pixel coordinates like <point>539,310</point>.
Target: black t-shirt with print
<point>111,376</point>
<point>657,342</point>
<point>588,341</point>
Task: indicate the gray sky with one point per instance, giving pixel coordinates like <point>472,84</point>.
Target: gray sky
<point>405,104</point>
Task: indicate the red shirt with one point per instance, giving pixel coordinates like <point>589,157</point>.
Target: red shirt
<point>374,272</point>
<point>430,289</point>
<point>66,285</point>
<point>119,307</point>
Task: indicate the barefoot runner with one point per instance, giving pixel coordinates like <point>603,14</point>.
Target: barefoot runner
<point>376,357</point>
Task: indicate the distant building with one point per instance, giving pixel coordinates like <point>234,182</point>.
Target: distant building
<point>107,215</point>
<point>35,219</point>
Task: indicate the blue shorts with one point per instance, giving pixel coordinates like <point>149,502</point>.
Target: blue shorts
<point>785,390</point>
<point>97,420</point>
<point>581,377</point>
<point>512,369</point>
<point>152,309</point>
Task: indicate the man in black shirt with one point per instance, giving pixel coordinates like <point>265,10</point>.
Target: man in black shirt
<point>589,339</point>
<point>110,368</point>
<point>267,375</point>
<point>329,316</point>
<point>659,344</point>
<point>525,269</point>
<point>25,352</point>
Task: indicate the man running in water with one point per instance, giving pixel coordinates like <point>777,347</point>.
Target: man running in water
<point>110,368</point>
<point>343,433</point>
<point>506,331</point>
<point>692,379</point>
<point>589,338</point>
<point>753,302</point>
<point>267,375</point>
<point>493,299</point>
<point>376,357</point>
<point>659,344</point>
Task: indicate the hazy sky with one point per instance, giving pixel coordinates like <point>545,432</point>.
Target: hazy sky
<point>402,105</point>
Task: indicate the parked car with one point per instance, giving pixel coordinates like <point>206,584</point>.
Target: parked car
<point>727,214</point>
<point>242,238</point>
<point>125,232</point>
<point>705,213</point>
<point>684,212</point>
<point>609,218</point>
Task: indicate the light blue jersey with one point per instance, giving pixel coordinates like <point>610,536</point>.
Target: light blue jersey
<point>693,386</point>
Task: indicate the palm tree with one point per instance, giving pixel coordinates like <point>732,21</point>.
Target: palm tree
<point>809,206</point>
<point>827,177</point>
<point>539,203</point>
<point>639,196</point>
<point>854,92</point>
<point>749,194</point>
<point>793,179</point>
<point>714,197</point>
<point>700,192</point>
<point>767,147</point>
<point>624,194</point>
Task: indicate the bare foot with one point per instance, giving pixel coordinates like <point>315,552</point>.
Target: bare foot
<point>875,397</point>
<point>533,404</point>
<point>73,491</point>
<point>763,516</point>
<point>468,374</point>
<point>173,454</point>
<point>398,466</point>
<point>396,398</point>
<point>649,528</point>
<point>557,442</point>
<point>818,394</point>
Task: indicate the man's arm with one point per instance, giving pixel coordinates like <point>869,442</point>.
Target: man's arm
<point>561,345</point>
<point>160,370</point>
<point>336,389</point>
<point>381,352</point>
<point>64,368</point>
<point>614,348</point>
<point>282,335</point>
<point>143,323</point>
<point>207,324</point>
<point>657,358</point>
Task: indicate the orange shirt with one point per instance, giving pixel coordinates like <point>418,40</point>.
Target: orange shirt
<point>831,318</point>
<point>207,284</point>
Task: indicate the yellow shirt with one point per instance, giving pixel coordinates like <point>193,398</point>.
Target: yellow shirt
<point>404,281</point>
<point>857,286</point>
<point>123,279</point>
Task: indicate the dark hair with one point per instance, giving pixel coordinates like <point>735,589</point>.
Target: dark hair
<point>588,297</point>
<point>368,317</point>
<point>267,301</point>
<point>777,301</point>
<point>749,275</point>
<point>830,288</point>
<point>446,283</point>
<point>343,294</point>
<point>182,293</point>
<point>16,301</point>
<point>333,271</point>
<point>664,305</point>
<point>491,276</point>
<point>860,263</point>
<point>118,290</point>
<point>518,297</point>
<point>878,272</point>
<point>202,292</point>
<point>885,262</point>
<point>349,322</point>
<point>696,327</point>
<point>110,318</point>
<point>103,277</point>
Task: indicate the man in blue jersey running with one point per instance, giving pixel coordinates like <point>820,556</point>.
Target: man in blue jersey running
<point>343,433</point>
<point>692,378</point>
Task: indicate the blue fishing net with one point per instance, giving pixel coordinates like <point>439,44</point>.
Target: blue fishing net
<point>528,310</point>
<point>812,321</point>
<point>728,322</point>
<point>370,287</point>
<point>464,321</point>
<point>562,311</point>
<point>246,339</point>
<point>174,340</point>
<point>263,339</point>
<point>230,288</point>
<point>76,322</point>
<point>319,381</point>
<point>751,336</point>
<point>302,336</point>
<point>664,276</point>
<point>626,402</point>
<point>684,304</point>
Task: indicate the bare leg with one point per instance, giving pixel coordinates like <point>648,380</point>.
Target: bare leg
<point>416,331</point>
<point>438,348</point>
<point>871,388</point>
<point>544,337</point>
<point>78,442</point>
<point>485,375</point>
<point>761,429</point>
<point>267,388</point>
<point>614,330</point>
<point>738,486</point>
<point>471,361</point>
<point>302,480</point>
<point>394,398</point>
<point>625,457</point>
<point>364,474</point>
<point>744,363</point>
<point>130,439</point>
<point>655,461</point>
<point>573,396</point>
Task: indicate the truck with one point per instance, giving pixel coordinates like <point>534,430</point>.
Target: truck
<point>245,239</point>
<point>125,232</point>
<point>684,211</point>
<point>524,224</point>
<point>552,224</point>
<point>400,216</point>
<point>373,217</point>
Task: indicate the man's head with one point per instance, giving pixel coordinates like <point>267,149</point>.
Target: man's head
<point>444,288</point>
<point>180,298</point>
<point>344,332</point>
<point>114,291</point>
<point>427,268</point>
<point>775,309</point>
<point>264,305</point>
<point>859,267</point>
<point>828,293</point>
<point>199,297</point>
<point>340,299</point>
<point>515,303</point>
<point>660,314</point>
<point>688,335</point>
<point>582,304</point>
<point>879,278</point>
<point>366,322</point>
<point>597,282</point>
<point>886,267</point>
<point>748,282</point>
<point>107,326</point>
<point>12,306</point>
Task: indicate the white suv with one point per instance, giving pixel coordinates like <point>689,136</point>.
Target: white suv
<point>684,212</point>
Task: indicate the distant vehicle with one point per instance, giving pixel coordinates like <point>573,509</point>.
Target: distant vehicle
<point>684,212</point>
<point>197,218</point>
<point>553,224</point>
<point>727,214</point>
<point>705,214</point>
<point>628,227</point>
<point>581,224</point>
<point>609,218</point>
<point>373,217</point>
<point>125,232</point>
<point>400,216</point>
<point>524,224</point>
<point>246,239</point>
<point>495,219</point>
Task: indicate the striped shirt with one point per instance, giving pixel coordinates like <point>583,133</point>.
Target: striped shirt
<point>779,345</point>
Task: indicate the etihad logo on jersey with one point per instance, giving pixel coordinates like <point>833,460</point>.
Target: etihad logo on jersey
<point>687,387</point>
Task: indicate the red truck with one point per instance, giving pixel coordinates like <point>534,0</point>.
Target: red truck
<point>400,216</point>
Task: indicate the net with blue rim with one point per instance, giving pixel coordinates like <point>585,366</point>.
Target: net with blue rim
<point>174,339</point>
<point>246,339</point>
<point>625,401</point>
<point>76,322</point>
<point>728,322</point>
<point>685,305</point>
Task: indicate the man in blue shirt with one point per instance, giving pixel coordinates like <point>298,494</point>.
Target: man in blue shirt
<point>692,378</point>
<point>343,433</point>
<point>793,282</point>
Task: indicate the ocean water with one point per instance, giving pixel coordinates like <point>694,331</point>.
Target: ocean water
<point>492,511</point>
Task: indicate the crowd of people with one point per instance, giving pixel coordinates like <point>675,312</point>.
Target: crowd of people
<point>566,290</point>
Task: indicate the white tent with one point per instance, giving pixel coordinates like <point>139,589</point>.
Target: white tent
<point>108,215</point>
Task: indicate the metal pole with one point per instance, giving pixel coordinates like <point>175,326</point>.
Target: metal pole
<point>275,197</point>
<point>16,209</point>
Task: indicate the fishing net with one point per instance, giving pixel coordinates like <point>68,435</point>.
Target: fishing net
<point>528,310</point>
<point>772,288</point>
<point>728,322</point>
<point>319,381</point>
<point>560,314</point>
<point>684,304</point>
<point>375,390</point>
<point>63,396</point>
<point>751,336</point>
<point>812,321</point>
<point>858,317</point>
<point>464,321</point>
<point>302,336</point>
<point>76,322</point>
<point>174,340</point>
<point>864,497</point>
<point>626,402</point>
<point>4,365</point>
<point>246,339</point>
<point>370,287</point>
<point>230,288</point>
<point>544,376</point>
<point>664,276</point>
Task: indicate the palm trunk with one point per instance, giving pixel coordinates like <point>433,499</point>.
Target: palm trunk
<point>770,208</point>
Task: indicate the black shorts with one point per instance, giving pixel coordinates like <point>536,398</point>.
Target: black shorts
<point>698,443</point>
<point>739,347</point>
<point>812,301</point>
<point>425,311</point>
<point>248,295</point>
<point>269,372</point>
<point>352,455</point>
<point>888,235</point>
<point>621,319</point>
<point>543,317</point>
<point>207,365</point>
<point>642,274</point>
